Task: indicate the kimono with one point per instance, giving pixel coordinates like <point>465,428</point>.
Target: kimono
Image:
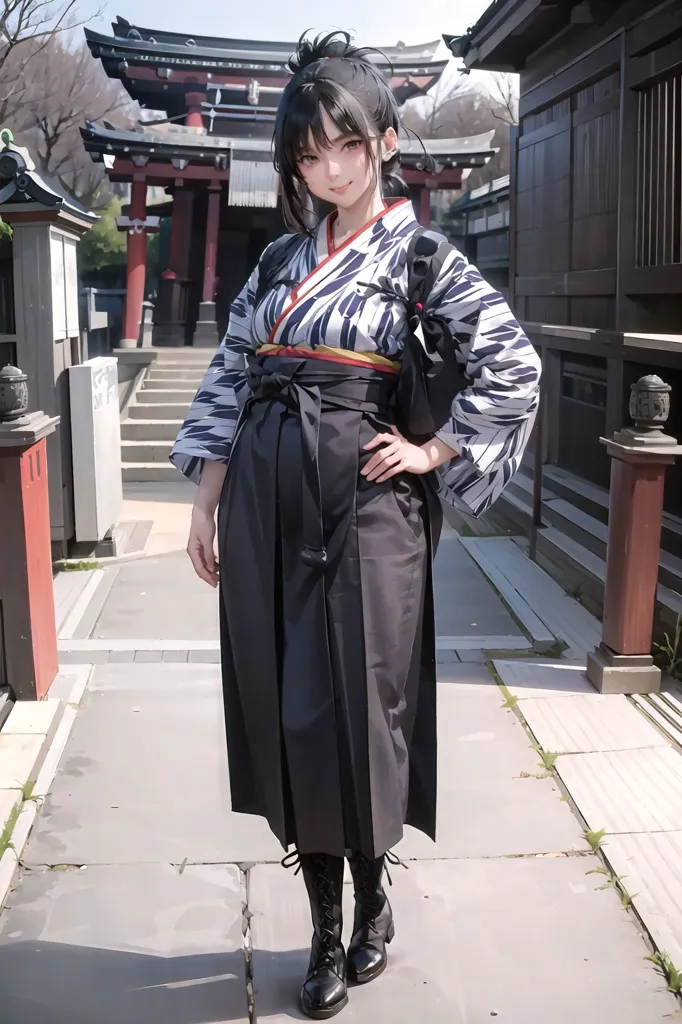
<point>326,598</point>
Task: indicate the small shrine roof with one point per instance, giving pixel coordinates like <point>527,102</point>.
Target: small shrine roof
<point>21,183</point>
<point>181,143</point>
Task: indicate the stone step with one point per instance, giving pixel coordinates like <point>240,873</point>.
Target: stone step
<point>160,379</point>
<point>151,429</point>
<point>148,472</point>
<point>173,362</point>
<point>160,411</point>
<point>166,395</point>
<point>146,451</point>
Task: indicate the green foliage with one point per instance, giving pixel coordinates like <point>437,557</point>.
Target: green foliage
<point>104,245</point>
<point>666,968</point>
<point>68,566</point>
<point>548,758</point>
<point>668,655</point>
<point>595,839</point>
<point>6,834</point>
<point>5,229</point>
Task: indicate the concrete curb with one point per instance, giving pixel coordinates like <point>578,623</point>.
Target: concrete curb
<point>48,762</point>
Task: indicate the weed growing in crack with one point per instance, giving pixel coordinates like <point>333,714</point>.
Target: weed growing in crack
<point>664,966</point>
<point>595,839</point>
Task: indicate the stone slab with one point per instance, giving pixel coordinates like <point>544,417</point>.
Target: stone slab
<point>626,790</point>
<point>485,807</point>
<point>144,776</point>
<point>589,721</point>
<point>142,944</point>
<point>472,609</point>
<point>145,602</point>
<point>650,865</point>
<point>31,717</point>
<point>543,677</point>
<point>527,941</point>
<point>18,757</point>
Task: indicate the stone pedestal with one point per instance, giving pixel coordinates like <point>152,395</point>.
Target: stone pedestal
<point>28,635</point>
<point>206,331</point>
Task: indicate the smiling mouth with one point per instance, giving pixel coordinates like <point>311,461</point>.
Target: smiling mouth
<point>342,189</point>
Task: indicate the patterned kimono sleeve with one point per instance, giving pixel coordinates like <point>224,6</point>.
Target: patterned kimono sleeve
<point>209,427</point>
<point>493,417</point>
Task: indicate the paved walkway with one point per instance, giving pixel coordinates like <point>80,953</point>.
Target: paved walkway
<point>144,900</point>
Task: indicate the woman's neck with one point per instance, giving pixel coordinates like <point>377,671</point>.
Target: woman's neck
<point>350,220</point>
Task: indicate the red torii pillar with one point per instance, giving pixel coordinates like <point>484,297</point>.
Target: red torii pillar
<point>137,263</point>
<point>206,333</point>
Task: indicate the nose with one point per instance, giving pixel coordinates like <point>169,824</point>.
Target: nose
<point>333,169</point>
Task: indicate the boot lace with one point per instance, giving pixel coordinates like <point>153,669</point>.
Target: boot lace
<point>326,948</point>
<point>370,890</point>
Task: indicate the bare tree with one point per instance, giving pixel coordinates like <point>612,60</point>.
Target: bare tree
<point>504,93</point>
<point>66,89</point>
<point>432,115</point>
<point>26,26</point>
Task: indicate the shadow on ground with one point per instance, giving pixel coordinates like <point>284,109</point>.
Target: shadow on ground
<point>43,982</point>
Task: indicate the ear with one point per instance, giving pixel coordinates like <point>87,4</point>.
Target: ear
<point>389,144</point>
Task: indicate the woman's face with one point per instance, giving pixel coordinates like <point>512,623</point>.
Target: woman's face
<point>342,173</point>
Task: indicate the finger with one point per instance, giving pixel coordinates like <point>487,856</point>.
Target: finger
<point>378,458</point>
<point>397,432</point>
<point>392,460</point>
<point>392,472</point>
<point>196,555</point>
<point>379,439</point>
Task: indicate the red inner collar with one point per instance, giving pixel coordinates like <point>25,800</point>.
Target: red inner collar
<point>331,247</point>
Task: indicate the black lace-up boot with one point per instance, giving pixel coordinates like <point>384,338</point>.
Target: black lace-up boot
<point>373,926</point>
<point>324,993</point>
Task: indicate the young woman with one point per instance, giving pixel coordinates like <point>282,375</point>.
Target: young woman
<point>327,515</point>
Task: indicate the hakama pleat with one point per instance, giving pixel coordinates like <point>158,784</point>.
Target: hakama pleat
<point>327,626</point>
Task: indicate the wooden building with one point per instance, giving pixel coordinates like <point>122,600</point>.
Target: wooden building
<point>596,226</point>
<point>209,146</point>
<point>478,224</point>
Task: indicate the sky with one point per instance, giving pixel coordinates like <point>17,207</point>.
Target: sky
<point>372,22</point>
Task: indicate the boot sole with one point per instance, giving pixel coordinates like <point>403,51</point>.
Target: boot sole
<point>325,1014</point>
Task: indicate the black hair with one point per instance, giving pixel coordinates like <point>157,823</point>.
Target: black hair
<point>330,73</point>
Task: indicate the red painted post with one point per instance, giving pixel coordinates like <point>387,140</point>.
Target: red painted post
<point>623,662</point>
<point>28,637</point>
<point>181,230</point>
<point>137,263</point>
<point>211,252</point>
<point>195,117</point>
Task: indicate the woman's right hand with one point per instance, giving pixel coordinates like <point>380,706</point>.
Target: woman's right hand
<point>200,546</point>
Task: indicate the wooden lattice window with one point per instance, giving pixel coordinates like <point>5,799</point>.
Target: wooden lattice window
<point>659,173</point>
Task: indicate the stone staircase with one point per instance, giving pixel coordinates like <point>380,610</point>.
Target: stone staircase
<point>156,414</point>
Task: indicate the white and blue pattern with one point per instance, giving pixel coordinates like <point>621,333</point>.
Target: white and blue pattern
<point>491,420</point>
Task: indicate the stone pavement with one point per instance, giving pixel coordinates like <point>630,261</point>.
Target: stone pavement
<point>145,900</point>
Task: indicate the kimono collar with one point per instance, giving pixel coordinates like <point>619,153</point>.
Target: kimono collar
<point>397,214</point>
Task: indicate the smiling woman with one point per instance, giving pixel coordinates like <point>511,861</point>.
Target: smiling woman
<point>328,518</point>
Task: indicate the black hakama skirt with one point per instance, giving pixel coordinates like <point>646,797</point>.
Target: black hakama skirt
<point>327,625</point>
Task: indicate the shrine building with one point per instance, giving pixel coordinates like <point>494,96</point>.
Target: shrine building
<point>207,142</point>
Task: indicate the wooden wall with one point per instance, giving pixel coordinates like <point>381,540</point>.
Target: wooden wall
<point>597,176</point>
<point>6,287</point>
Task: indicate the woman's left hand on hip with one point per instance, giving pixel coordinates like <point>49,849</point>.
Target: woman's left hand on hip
<point>396,456</point>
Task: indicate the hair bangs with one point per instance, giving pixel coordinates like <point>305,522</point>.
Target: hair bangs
<point>332,75</point>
